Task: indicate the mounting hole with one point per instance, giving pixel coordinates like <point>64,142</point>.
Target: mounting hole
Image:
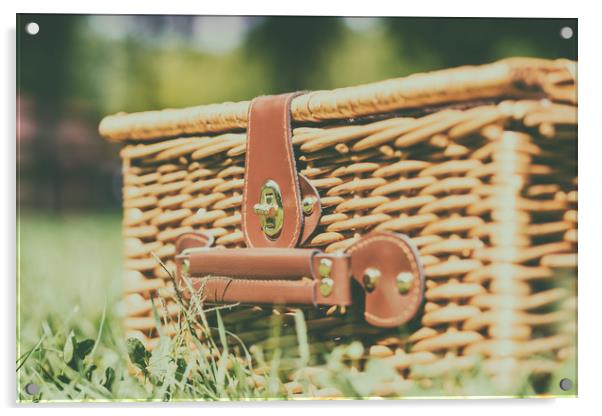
<point>32,28</point>
<point>566,32</point>
<point>32,389</point>
<point>566,384</point>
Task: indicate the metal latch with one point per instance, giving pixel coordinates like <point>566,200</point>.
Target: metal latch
<point>270,209</point>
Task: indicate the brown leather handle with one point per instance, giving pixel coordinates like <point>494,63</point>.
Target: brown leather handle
<point>270,158</point>
<point>254,263</point>
<point>278,292</point>
<point>385,265</point>
<point>264,275</point>
<point>270,169</point>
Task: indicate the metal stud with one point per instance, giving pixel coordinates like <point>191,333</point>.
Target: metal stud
<point>371,277</point>
<point>326,285</point>
<point>326,282</point>
<point>404,282</point>
<point>308,204</point>
<point>325,267</point>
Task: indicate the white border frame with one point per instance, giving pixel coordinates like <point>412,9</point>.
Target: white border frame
<point>589,150</point>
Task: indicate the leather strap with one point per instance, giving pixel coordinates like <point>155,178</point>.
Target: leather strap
<point>277,292</point>
<point>267,263</point>
<point>311,277</point>
<point>193,240</point>
<point>311,221</point>
<point>394,257</point>
<point>304,289</point>
<point>270,156</point>
<point>265,275</point>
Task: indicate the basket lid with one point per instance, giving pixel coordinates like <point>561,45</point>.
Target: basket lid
<point>508,78</point>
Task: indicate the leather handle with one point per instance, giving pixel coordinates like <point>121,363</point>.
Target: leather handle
<point>293,276</point>
<point>277,292</point>
<point>385,265</point>
<point>270,157</point>
<point>270,162</point>
<point>255,263</point>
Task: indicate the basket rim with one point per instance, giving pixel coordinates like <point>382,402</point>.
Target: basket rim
<point>509,78</point>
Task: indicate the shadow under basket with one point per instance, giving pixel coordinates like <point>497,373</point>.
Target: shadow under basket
<point>477,165</point>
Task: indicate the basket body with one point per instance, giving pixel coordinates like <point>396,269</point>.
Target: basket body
<point>484,181</point>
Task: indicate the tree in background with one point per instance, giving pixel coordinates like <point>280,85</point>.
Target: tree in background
<point>71,70</point>
<point>447,42</point>
<point>293,48</point>
<point>44,73</point>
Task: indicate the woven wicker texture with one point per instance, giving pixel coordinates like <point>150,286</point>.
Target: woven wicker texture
<point>486,190</point>
<point>515,77</point>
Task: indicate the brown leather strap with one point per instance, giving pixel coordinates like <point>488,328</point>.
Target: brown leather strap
<point>270,156</point>
<point>386,266</point>
<point>267,275</point>
<point>398,286</point>
<point>266,263</point>
<point>311,220</point>
<point>304,291</point>
<point>193,240</point>
<point>275,292</point>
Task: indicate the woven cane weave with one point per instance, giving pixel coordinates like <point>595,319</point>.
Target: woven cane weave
<point>478,165</point>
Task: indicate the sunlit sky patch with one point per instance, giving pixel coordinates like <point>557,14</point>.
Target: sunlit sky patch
<point>362,24</point>
<point>211,34</point>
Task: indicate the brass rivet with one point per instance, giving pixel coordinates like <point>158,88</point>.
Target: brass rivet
<point>404,282</point>
<point>185,266</point>
<point>371,276</point>
<point>325,267</point>
<point>326,285</point>
<point>308,205</point>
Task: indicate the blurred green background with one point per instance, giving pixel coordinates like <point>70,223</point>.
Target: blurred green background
<point>79,68</point>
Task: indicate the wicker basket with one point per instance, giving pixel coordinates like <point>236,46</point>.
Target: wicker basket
<point>477,165</point>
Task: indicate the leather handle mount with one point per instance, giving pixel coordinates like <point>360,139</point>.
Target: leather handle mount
<point>280,207</point>
<point>280,212</point>
<point>385,265</point>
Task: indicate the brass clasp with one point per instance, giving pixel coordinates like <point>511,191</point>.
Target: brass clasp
<point>270,209</point>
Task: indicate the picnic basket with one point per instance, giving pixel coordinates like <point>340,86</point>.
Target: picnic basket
<point>476,165</point>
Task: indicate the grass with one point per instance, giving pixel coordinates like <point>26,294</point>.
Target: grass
<point>70,342</point>
<point>71,346</point>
